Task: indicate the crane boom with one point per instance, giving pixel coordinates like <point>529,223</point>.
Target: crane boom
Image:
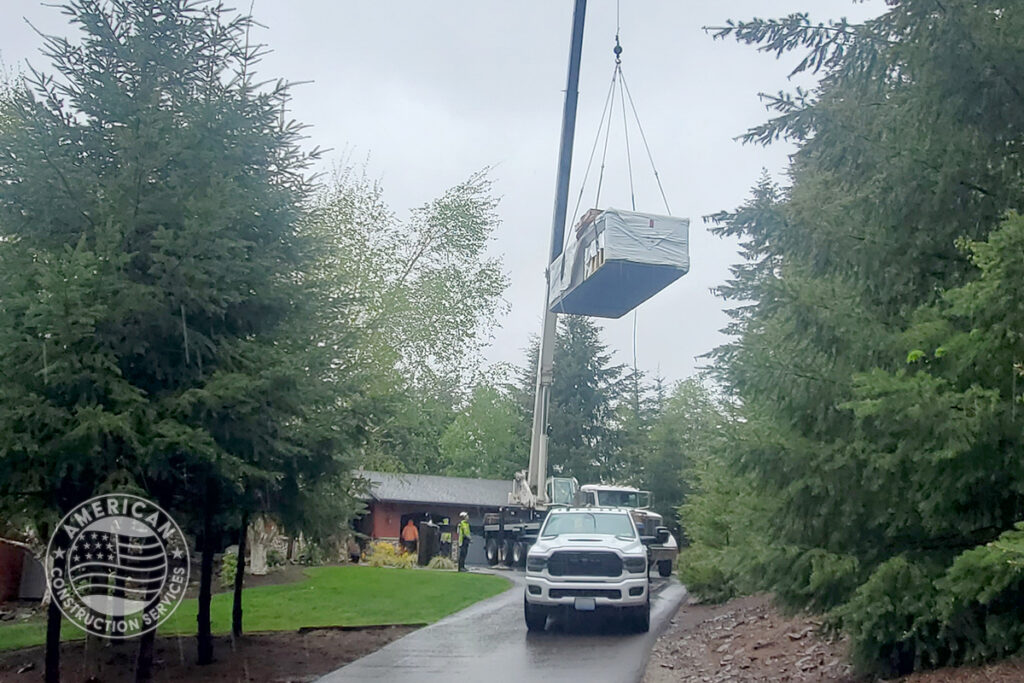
<point>537,473</point>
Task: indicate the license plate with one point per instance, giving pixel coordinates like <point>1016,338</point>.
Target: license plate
<point>585,604</point>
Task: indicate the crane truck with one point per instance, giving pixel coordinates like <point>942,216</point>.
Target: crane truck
<point>509,533</point>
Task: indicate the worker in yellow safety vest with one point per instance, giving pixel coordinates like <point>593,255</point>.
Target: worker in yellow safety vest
<point>463,539</point>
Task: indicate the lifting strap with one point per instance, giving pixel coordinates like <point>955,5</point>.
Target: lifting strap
<point>620,88</point>
<point>619,79</point>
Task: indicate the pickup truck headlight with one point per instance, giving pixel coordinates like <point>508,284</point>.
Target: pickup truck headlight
<point>635,565</point>
<point>535,563</point>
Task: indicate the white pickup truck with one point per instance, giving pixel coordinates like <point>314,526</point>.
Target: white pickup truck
<point>588,560</point>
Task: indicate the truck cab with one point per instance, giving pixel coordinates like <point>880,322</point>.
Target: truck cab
<point>638,502</point>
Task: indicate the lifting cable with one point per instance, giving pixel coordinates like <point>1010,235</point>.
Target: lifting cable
<point>607,113</point>
<point>617,87</point>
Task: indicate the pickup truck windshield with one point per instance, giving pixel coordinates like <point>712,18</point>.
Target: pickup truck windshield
<point>588,523</point>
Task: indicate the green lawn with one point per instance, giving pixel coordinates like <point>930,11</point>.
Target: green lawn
<point>331,596</point>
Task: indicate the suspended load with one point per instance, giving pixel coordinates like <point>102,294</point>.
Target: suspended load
<point>615,260</point>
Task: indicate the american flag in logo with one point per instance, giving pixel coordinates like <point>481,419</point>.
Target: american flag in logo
<point>128,568</point>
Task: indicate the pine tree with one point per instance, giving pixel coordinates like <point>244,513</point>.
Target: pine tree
<point>156,302</point>
<point>585,393</point>
<point>881,465</point>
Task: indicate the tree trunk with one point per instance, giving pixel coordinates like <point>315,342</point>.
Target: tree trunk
<point>262,533</point>
<point>53,619</point>
<point>236,608</point>
<point>204,637</point>
<point>290,555</point>
<point>144,661</point>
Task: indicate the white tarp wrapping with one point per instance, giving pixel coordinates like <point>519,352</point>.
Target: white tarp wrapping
<point>643,238</point>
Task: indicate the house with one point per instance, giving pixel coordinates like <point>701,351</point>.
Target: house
<point>393,499</point>
<point>22,576</point>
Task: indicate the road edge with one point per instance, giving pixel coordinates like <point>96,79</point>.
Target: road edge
<point>666,606</point>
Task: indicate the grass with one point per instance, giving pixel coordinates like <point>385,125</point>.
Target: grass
<point>330,596</point>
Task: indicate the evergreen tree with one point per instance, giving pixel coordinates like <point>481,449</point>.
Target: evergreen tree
<point>880,474</point>
<point>585,392</point>
<point>156,314</point>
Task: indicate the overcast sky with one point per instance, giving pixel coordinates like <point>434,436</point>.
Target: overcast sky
<point>429,92</point>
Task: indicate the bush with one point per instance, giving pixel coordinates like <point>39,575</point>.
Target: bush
<point>274,558</point>
<point>228,569</point>
<point>384,554</point>
<point>891,619</point>
<point>701,569</point>
<point>311,554</point>
<point>916,612</point>
<point>441,562</point>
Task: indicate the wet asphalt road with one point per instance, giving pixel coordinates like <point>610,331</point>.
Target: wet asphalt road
<point>488,643</point>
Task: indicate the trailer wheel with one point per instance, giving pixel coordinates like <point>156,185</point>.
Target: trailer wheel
<point>519,554</point>
<point>491,550</point>
<point>665,567</point>
<point>504,551</point>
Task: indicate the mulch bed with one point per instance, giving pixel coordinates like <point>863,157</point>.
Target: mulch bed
<point>272,657</point>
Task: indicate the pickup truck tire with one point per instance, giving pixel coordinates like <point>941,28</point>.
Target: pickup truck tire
<point>536,616</point>
<point>491,550</point>
<point>641,618</point>
<point>664,567</point>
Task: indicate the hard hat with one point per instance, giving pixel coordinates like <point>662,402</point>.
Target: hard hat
<point>463,514</point>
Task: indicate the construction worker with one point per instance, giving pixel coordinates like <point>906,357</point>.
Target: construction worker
<point>410,535</point>
<point>463,539</point>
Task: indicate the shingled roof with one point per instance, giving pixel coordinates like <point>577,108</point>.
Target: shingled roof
<point>429,488</point>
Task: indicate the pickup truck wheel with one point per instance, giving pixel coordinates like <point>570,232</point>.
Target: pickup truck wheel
<point>665,567</point>
<point>642,618</point>
<point>491,550</point>
<point>536,617</point>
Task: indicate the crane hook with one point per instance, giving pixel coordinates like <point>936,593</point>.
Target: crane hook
<point>617,50</point>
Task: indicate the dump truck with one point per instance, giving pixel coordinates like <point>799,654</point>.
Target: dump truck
<point>648,522</point>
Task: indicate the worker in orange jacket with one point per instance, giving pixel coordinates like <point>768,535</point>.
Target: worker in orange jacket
<point>410,536</point>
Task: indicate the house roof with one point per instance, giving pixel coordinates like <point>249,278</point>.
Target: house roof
<point>429,488</point>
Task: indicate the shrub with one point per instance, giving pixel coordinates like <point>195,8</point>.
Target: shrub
<point>891,619</point>
<point>228,569</point>
<point>441,562</point>
<point>311,554</point>
<point>384,554</point>
<point>274,558</point>
<point>701,569</point>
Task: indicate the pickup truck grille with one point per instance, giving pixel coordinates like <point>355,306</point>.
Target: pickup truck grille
<point>582,563</point>
<point>585,593</point>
